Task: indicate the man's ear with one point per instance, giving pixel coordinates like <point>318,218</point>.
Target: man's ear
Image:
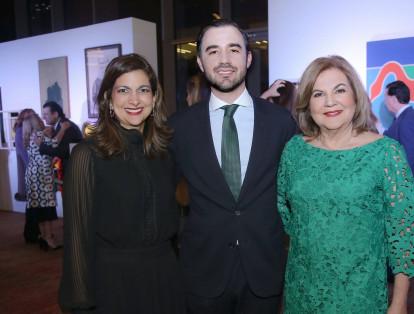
<point>200,64</point>
<point>249,58</point>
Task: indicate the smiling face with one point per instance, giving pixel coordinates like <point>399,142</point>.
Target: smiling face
<point>132,99</point>
<point>332,103</point>
<point>50,117</point>
<point>224,60</point>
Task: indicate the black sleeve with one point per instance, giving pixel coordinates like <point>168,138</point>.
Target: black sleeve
<point>77,284</point>
<point>173,149</point>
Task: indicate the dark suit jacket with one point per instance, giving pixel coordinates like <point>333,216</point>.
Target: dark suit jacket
<point>402,130</point>
<point>216,220</point>
<point>72,135</point>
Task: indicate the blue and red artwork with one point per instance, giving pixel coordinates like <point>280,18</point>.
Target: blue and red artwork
<point>388,61</point>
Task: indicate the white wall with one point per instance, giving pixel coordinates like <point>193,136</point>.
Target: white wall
<point>19,74</point>
<point>302,30</point>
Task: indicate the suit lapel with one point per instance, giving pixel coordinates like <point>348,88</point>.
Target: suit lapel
<point>211,166</point>
<point>57,129</point>
<point>394,130</point>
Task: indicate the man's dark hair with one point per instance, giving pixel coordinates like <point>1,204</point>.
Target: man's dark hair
<point>54,107</point>
<point>400,90</point>
<point>220,23</point>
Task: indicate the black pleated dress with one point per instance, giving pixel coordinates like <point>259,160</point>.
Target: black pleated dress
<point>119,217</point>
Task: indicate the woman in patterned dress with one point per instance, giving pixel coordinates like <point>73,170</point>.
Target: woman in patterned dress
<point>41,197</point>
<point>346,198</point>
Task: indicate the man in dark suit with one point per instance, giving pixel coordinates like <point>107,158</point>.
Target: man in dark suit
<point>397,98</point>
<point>54,116</point>
<point>231,249</point>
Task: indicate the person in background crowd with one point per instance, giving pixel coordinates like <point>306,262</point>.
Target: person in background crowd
<point>87,128</point>
<point>41,199</point>
<point>346,198</point>
<point>197,89</point>
<point>228,149</point>
<point>397,98</point>
<point>119,205</point>
<point>54,117</point>
<point>31,228</point>
<point>21,154</point>
<point>281,92</point>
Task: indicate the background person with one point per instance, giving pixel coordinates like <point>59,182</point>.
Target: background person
<point>41,199</point>
<point>281,92</point>
<point>119,204</point>
<point>345,194</point>
<point>397,98</point>
<point>54,117</point>
<point>21,154</point>
<point>197,89</point>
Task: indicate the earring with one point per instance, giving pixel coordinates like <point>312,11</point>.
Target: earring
<point>111,111</point>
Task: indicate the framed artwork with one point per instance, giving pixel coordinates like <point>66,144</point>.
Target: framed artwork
<point>96,60</point>
<point>387,61</point>
<point>54,82</point>
<point>2,134</point>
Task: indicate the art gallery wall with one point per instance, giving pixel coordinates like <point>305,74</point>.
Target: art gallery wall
<point>300,31</point>
<point>19,75</point>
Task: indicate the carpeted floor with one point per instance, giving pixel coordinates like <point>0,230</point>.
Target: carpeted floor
<point>29,277</point>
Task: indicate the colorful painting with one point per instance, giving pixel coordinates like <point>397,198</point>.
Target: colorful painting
<point>388,61</point>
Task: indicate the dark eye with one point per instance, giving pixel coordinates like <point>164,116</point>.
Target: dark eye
<point>317,94</point>
<point>144,90</point>
<point>235,50</point>
<point>341,90</point>
<point>122,90</point>
<point>212,52</point>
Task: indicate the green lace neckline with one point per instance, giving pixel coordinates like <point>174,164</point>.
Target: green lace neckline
<point>353,149</point>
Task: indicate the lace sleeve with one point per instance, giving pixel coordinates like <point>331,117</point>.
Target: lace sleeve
<point>76,288</point>
<point>282,187</point>
<point>399,199</point>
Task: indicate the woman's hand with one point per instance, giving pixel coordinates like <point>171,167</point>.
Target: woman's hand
<point>65,125</point>
<point>48,132</point>
<point>38,139</point>
<point>399,295</point>
<point>272,90</point>
<point>397,309</point>
<point>58,137</point>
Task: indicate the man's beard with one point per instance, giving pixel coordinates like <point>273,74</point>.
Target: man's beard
<point>225,86</point>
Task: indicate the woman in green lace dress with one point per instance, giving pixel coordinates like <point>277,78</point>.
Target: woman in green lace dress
<point>346,197</point>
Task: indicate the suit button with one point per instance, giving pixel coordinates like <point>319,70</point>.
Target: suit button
<point>237,212</point>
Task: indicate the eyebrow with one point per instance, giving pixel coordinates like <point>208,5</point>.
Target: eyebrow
<point>211,47</point>
<point>127,87</point>
<point>231,45</point>
<point>340,84</point>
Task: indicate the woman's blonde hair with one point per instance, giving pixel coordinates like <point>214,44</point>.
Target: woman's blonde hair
<point>362,120</point>
<point>30,125</point>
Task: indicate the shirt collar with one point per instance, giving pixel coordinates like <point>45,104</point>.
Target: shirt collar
<point>244,100</point>
<point>56,124</point>
<point>399,112</point>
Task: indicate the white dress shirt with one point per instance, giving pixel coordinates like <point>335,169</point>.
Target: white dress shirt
<point>244,120</point>
<point>399,112</point>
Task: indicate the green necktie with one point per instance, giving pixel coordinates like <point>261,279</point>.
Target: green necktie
<point>230,154</point>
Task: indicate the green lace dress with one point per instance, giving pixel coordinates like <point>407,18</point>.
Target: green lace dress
<point>346,212</point>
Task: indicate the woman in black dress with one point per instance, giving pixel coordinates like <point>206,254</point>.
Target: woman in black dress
<point>119,206</point>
